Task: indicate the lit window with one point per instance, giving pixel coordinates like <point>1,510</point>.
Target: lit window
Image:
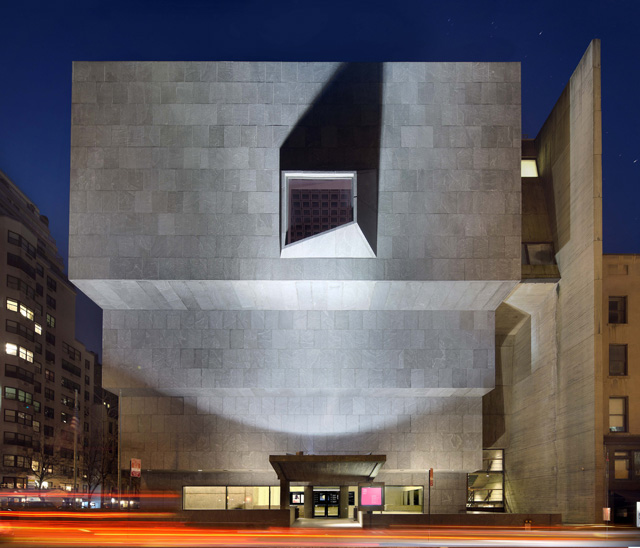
<point>11,349</point>
<point>37,328</point>
<point>51,321</point>
<point>25,354</point>
<point>617,310</point>
<point>621,462</point>
<point>528,168</point>
<point>617,414</point>
<point>12,305</point>
<point>26,312</point>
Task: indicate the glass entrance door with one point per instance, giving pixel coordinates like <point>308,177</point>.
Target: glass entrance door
<point>326,503</point>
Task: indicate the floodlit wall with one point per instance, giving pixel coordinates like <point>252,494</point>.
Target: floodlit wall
<point>224,351</point>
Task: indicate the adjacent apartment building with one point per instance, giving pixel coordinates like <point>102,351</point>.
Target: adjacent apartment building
<point>48,377</point>
<point>344,259</point>
<point>621,383</point>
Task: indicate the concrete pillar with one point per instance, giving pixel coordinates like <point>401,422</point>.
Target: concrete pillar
<point>308,501</point>
<point>284,494</point>
<point>344,501</point>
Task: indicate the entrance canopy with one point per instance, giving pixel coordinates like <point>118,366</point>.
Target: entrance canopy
<point>327,469</point>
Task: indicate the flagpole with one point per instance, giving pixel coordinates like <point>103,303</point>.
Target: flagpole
<point>74,423</point>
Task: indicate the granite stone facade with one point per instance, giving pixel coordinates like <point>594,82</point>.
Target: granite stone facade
<point>225,352</point>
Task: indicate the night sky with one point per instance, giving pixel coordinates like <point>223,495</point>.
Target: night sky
<point>40,39</point>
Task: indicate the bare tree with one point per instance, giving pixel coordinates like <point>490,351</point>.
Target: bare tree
<point>100,453</point>
<point>99,465</point>
<point>45,463</point>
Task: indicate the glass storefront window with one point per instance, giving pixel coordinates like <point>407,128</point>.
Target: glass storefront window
<point>231,497</point>
<point>204,498</point>
<point>404,498</point>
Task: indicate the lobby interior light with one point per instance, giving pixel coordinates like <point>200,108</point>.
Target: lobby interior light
<point>528,168</point>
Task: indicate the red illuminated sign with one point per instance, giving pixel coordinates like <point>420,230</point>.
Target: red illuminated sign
<point>136,468</point>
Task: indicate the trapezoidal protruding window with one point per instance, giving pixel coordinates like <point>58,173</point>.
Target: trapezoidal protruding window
<point>316,202</point>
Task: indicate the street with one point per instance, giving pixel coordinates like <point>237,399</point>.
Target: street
<point>153,530</point>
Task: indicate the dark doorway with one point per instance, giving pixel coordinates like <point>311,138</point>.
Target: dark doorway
<point>326,502</point>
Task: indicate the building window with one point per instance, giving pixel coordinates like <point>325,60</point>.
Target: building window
<point>617,310</point>
<point>18,417</point>
<point>12,305</point>
<point>18,373</point>
<point>538,253</point>
<point>69,384</point>
<point>39,269</point>
<point>621,465</point>
<point>485,487</point>
<point>617,359</point>
<point>17,283</point>
<point>36,426</point>
<point>22,353</point>
<point>14,483</point>
<point>14,438</point>
<point>49,413</point>
<point>16,461</point>
<point>37,328</point>
<point>51,284</point>
<point>51,302</point>
<point>26,312</point>
<point>51,338</point>
<point>51,321</point>
<point>73,369</point>
<point>15,239</point>
<point>49,375</point>
<point>316,202</point>
<point>18,262</point>
<point>11,393</point>
<point>19,329</point>
<point>48,431</point>
<point>49,394</point>
<point>73,353</point>
<point>617,414</point>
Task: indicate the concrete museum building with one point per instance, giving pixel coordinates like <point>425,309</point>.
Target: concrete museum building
<point>318,274</point>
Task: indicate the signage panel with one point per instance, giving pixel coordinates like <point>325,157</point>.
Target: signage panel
<point>136,468</point>
<point>371,496</point>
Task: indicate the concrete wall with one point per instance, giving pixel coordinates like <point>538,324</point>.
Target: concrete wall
<point>520,414</point>
<point>554,419</point>
<point>225,352</point>
<point>175,168</point>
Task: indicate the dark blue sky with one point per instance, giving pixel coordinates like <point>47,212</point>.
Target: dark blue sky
<point>40,39</point>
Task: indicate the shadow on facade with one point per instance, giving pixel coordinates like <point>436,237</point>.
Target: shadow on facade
<point>341,131</point>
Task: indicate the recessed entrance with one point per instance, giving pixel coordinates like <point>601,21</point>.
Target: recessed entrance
<point>326,502</point>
